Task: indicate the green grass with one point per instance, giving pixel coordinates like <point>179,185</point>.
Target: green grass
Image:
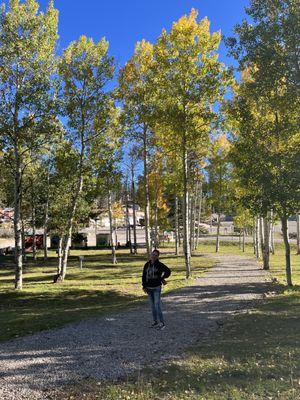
<point>277,261</point>
<point>99,288</point>
<point>255,357</point>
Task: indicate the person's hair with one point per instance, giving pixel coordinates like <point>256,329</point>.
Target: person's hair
<point>156,251</point>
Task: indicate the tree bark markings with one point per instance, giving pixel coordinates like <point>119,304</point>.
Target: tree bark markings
<point>284,228</point>
<point>199,217</point>
<point>113,248</point>
<point>186,239</point>
<point>176,227</point>
<point>133,209</point>
<point>146,190</point>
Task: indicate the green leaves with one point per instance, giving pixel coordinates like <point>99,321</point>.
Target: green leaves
<point>190,79</point>
<point>266,148</point>
<point>27,43</point>
<point>270,45</point>
<point>84,69</point>
<point>135,87</point>
<point>220,179</point>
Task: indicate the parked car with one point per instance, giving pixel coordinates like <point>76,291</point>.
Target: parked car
<point>203,229</point>
<point>293,235</point>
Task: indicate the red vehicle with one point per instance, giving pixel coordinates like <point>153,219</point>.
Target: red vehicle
<point>29,243</point>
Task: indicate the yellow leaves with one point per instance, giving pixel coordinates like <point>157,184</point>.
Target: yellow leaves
<point>173,85</point>
<point>156,181</point>
<point>186,23</point>
<point>31,6</point>
<point>85,50</point>
<point>188,32</point>
<point>246,75</point>
<point>144,52</point>
<point>117,210</point>
<point>185,57</point>
<point>224,142</point>
<point>29,34</point>
<point>219,151</point>
<point>133,78</point>
<point>140,62</point>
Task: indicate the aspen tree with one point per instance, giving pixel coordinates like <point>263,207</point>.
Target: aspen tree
<point>27,43</point>
<point>189,80</point>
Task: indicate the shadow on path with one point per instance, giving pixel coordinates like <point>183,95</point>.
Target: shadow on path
<point>111,347</point>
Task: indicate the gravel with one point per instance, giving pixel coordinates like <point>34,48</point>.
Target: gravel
<point>111,347</point>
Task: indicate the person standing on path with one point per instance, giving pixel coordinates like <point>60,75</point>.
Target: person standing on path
<point>154,275</point>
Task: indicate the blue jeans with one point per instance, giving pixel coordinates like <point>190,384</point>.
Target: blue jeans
<point>154,297</point>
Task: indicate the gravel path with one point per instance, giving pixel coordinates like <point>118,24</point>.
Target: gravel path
<point>112,347</point>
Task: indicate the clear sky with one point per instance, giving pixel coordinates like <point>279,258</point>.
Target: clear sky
<point>124,22</point>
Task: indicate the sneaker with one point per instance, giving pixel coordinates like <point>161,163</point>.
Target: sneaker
<point>154,325</point>
<point>161,326</point>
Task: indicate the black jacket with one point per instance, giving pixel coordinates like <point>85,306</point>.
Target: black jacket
<point>153,274</point>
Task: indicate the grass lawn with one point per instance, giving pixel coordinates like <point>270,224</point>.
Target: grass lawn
<point>99,288</point>
<point>256,356</point>
<point>277,261</point>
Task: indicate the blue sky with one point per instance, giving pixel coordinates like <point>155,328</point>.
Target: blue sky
<point>124,22</point>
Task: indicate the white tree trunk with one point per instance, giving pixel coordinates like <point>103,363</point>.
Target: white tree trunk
<point>180,231</point>
<point>116,234</point>
<point>193,217</point>
<point>33,222</point>
<point>218,235</point>
<point>33,232</point>
<point>156,241</point>
<point>254,237</point>
<point>23,240</point>
<point>60,254</point>
<point>146,190</point>
<point>266,244</point>
<point>113,249</point>
<point>176,227</point>
<point>46,220</point>
<point>78,190</point>
<point>186,239</point>
<point>69,230</point>
<point>18,223</point>
<point>128,225</point>
<point>272,240</point>
<point>288,267</point>
<point>258,238</point>
<point>261,235</point>
<point>133,210</point>
<point>199,217</point>
<point>298,233</point>
<point>45,234</point>
<point>244,239</point>
<point>66,248</point>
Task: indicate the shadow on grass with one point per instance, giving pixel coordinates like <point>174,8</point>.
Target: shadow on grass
<point>23,313</point>
<point>255,356</point>
<point>264,345</point>
<point>251,353</point>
